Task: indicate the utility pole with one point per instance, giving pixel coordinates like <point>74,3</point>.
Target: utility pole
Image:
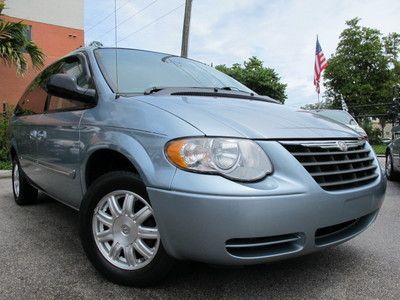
<point>186,27</point>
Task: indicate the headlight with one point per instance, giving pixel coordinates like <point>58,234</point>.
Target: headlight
<point>236,159</point>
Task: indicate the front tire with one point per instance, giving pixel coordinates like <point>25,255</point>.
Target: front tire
<point>389,170</point>
<point>119,233</point>
<point>24,192</point>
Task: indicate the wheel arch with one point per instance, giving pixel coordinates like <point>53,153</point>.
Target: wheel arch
<point>12,151</point>
<point>127,149</point>
<point>103,161</point>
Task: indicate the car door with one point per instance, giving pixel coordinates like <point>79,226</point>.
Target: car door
<point>58,137</point>
<point>26,123</point>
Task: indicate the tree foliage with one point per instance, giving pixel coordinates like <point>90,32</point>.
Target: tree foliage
<point>14,45</point>
<point>374,134</point>
<point>320,105</point>
<point>364,70</point>
<point>5,138</point>
<point>253,74</point>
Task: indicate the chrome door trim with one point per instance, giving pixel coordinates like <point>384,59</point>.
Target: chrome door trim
<point>57,169</point>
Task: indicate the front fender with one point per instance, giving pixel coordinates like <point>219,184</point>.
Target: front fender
<point>144,150</point>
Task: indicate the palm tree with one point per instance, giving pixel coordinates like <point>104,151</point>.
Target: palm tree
<point>14,45</point>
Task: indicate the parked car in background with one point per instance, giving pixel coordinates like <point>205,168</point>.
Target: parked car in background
<point>392,164</point>
<point>166,158</point>
<point>343,117</point>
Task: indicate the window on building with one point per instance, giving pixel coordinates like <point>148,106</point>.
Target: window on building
<point>28,32</point>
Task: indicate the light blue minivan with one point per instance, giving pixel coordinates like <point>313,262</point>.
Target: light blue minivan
<point>166,158</point>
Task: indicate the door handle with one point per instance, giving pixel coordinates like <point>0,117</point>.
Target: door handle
<point>33,134</point>
<point>41,135</point>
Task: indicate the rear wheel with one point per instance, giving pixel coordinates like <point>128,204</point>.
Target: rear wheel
<point>119,232</point>
<point>389,171</point>
<point>24,192</point>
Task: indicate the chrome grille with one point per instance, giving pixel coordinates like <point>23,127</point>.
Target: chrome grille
<point>335,165</point>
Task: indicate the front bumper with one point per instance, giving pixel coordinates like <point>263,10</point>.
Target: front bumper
<point>214,220</point>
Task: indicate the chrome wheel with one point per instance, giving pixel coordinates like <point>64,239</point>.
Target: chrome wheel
<point>125,230</point>
<point>16,183</point>
<point>388,165</point>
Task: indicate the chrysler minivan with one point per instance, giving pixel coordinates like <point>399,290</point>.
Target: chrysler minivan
<point>166,158</point>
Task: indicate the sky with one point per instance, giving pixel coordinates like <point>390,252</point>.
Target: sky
<point>282,33</point>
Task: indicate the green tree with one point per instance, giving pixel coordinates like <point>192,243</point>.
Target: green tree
<point>5,138</point>
<point>262,80</point>
<point>322,105</point>
<point>363,70</point>
<point>15,46</point>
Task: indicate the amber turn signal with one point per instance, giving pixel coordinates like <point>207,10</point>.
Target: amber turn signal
<point>174,153</point>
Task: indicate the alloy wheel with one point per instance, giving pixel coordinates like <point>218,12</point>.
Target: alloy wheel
<point>388,165</point>
<point>16,183</point>
<point>125,230</point>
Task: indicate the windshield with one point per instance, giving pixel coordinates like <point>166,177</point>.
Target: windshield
<point>140,70</point>
<point>339,116</point>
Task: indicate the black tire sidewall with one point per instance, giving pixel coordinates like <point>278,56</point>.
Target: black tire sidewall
<point>14,164</point>
<point>393,176</point>
<point>27,193</point>
<point>149,275</point>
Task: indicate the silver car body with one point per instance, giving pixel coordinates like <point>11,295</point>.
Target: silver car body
<point>204,217</point>
<point>343,117</point>
<point>394,149</point>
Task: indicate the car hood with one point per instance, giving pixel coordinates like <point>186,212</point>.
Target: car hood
<point>357,128</point>
<point>218,116</point>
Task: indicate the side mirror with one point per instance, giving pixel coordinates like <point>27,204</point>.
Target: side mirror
<point>64,86</point>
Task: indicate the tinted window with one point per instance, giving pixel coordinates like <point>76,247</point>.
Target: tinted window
<point>59,104</point>
<point>75,69</point>
<point>34,99</point>
<point>140,70</point>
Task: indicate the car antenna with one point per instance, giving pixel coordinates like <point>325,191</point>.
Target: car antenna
<point>117,94</point>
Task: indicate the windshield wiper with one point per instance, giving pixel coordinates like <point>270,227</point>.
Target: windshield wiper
<point>233,88</point>
<point>155,89</point>
<point>152,90</point>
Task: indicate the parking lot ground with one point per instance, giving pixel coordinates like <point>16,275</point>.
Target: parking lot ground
<point>41,257</point>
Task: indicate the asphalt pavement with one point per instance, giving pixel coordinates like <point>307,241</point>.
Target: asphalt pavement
<point>41,257</point>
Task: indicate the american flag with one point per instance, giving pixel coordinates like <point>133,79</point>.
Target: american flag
<point>319,66</point>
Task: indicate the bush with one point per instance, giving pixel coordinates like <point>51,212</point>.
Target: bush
<point>374,134</point>
<point>5,162</point>
<point>379,149</point>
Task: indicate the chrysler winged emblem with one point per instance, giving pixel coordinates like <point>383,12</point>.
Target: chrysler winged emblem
<point>342,145</point>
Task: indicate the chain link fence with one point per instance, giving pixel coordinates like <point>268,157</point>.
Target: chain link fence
<point>381,127</point>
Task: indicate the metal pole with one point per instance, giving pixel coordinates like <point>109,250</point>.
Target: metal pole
<point>186,27</point>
